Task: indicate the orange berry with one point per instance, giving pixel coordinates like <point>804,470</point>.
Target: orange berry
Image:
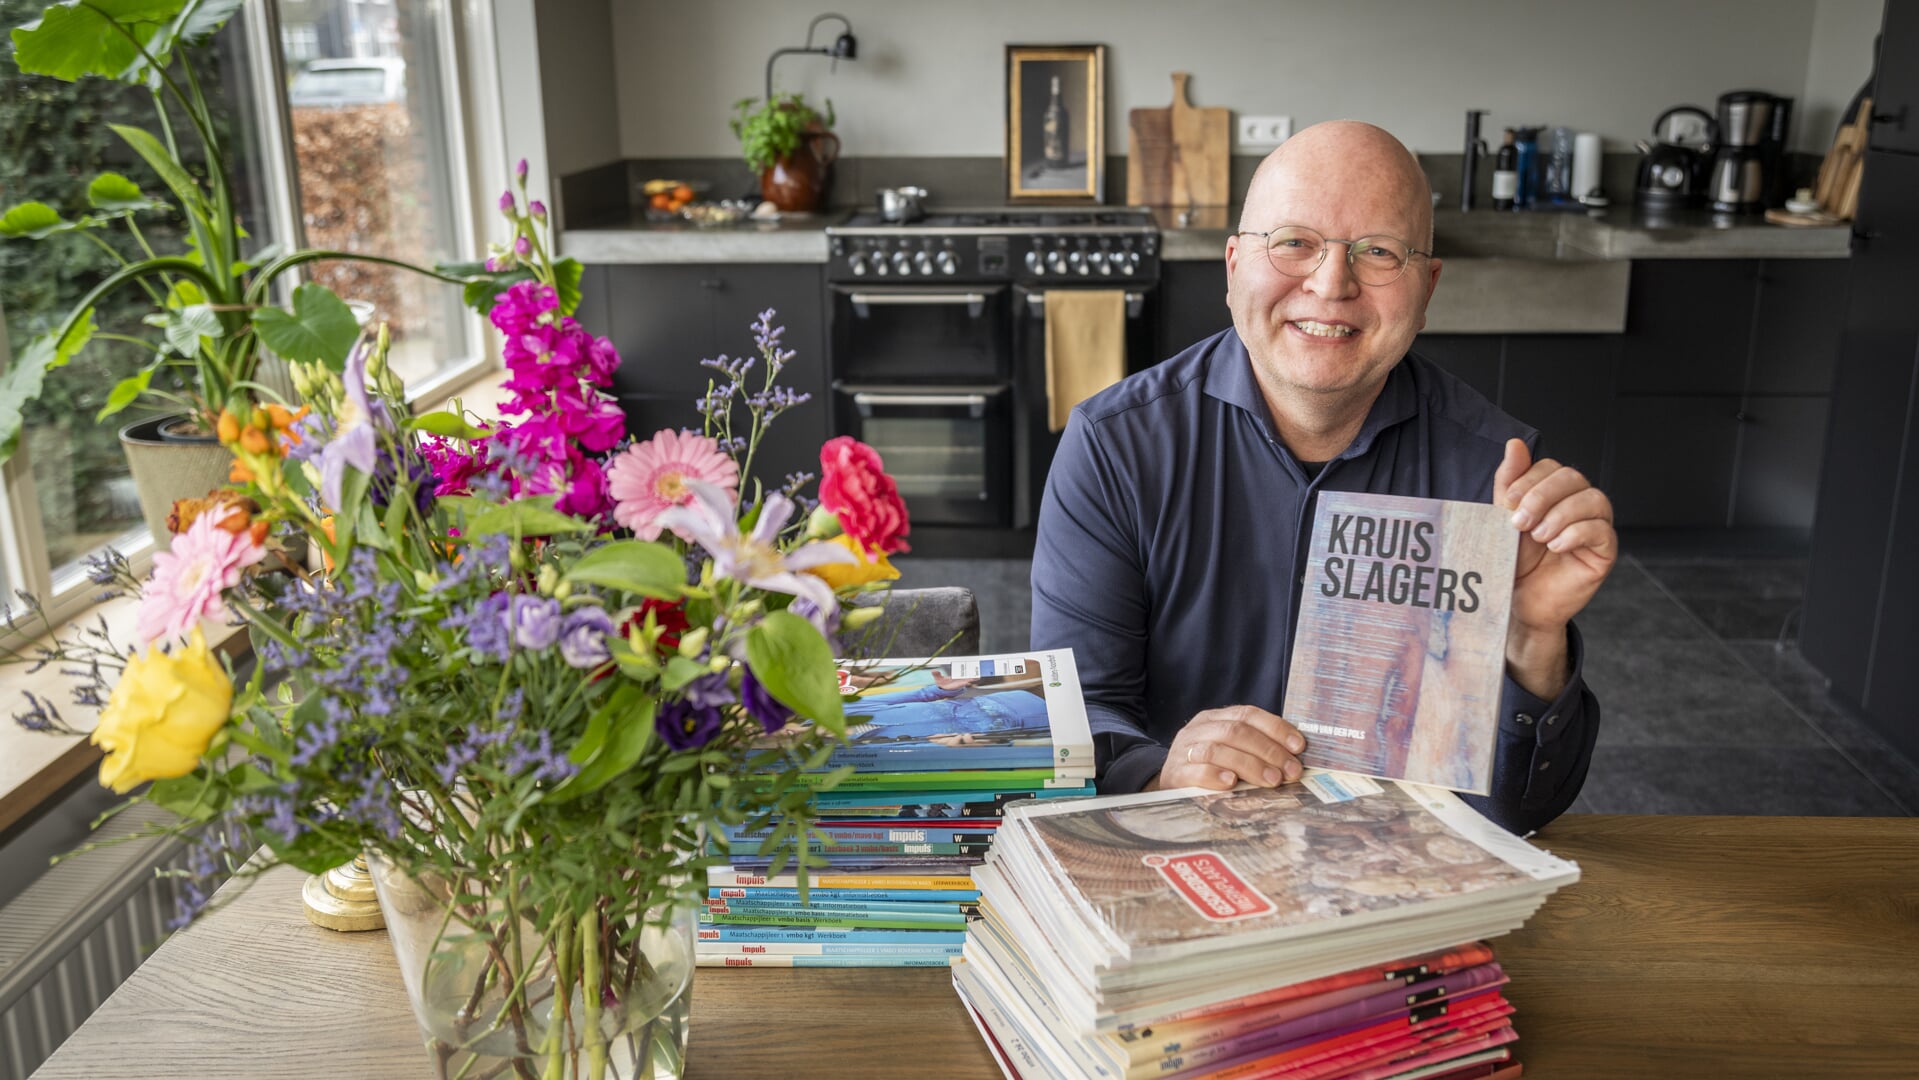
<point>228,427</point>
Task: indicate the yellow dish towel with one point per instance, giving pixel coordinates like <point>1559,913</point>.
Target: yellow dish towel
<point>1085,347</point>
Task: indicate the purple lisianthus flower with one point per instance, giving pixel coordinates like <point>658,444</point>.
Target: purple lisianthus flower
<point>535,621</point>
<point>523,247</point>
<point>537,209</point>
<point>685,726</point>
<point>507,205</point>
<point>354,442</point>
<point>519,171</point>
<point>583,638</point>
<point>762,706</point>
<point>709,690</point>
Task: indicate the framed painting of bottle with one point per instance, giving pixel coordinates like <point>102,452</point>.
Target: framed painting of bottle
<point>1056,123</point>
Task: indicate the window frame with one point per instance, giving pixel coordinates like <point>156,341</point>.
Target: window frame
<point>465,42</point>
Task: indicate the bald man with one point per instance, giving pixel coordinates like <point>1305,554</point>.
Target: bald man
<point>1178,512</point>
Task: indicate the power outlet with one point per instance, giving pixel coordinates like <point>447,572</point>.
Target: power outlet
<point>1268,131</point>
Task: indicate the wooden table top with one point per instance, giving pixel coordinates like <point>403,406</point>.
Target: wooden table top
<point>1692,947</point>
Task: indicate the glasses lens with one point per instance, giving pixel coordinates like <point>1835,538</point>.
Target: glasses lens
<point>1295,250</point>
<point>1379,260</point>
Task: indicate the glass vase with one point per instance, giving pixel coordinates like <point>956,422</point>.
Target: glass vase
<point>501,990</point>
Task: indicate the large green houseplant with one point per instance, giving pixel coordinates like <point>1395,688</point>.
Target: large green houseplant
<point>790,145</point>
<point>211,311</point>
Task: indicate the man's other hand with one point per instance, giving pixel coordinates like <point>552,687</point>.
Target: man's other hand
<point>1220,747</point>
<point>1566,548</point>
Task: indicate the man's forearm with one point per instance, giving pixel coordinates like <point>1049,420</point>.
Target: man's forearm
<point>1538,660</point>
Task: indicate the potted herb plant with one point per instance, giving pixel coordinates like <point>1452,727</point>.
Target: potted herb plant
<point>791,146</point>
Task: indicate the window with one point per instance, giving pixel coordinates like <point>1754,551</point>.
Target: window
<point>373,161</point>
<point>371,120</point>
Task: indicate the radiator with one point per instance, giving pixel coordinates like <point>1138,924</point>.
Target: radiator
<point>76,933</point>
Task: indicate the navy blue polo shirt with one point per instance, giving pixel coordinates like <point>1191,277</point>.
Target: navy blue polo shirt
<point>1173,539</point>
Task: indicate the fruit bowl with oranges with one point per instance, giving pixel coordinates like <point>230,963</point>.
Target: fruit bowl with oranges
<point>666,198</point>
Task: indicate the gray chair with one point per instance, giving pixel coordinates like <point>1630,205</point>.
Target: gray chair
<point>918,622</point>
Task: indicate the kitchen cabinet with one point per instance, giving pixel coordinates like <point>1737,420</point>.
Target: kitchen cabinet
<point>665,319</point>
<point>1688,326</point>
<point>1192,303</point>
<point>1673,461</point>
<point>1563,385</point>
<point>1476,359</point>
<point>1862,582</point>
<point>1896,93</point>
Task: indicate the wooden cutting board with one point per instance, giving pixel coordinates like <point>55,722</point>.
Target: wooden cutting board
<point>1179,155</point>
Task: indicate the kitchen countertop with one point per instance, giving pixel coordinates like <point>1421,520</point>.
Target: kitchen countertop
<point>1618,233</point>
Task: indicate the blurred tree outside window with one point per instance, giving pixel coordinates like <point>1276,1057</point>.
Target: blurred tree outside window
<point>373,145</point>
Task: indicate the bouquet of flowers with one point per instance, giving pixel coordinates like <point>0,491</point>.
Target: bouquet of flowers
<point>533,666</point>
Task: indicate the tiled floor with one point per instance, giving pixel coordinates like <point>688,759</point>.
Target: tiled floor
<point>1708,707</point>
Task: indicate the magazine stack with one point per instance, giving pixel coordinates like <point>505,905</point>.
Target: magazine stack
<point>939,749</point>
<point>1331,928</point>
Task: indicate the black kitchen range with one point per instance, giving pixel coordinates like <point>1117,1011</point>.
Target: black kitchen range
<point>938,356</point>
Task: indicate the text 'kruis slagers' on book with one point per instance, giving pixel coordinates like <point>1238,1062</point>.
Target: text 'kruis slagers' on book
<point>1399,652</point>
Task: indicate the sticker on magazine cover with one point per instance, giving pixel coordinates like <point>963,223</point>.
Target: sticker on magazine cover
<point>1338,787</point>
<point>987,668</point>
<point>1205,880</point>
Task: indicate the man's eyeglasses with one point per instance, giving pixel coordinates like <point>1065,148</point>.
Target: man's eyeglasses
<point>1297,251</point>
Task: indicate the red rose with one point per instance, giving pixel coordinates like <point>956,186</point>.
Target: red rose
<point>855,487</point>
<point>670,618</point>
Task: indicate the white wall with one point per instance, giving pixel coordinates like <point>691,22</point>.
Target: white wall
<point>929,80</point>
<point>1837,65</point>
<point>579,93</point>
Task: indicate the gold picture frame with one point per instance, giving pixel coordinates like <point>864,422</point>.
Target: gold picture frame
<point>1056,123</point>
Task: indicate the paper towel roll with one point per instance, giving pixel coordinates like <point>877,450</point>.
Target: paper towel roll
<point>1585,165</point>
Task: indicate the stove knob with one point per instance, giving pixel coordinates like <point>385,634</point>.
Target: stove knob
<point>923,262</point>
<point>1100,263</point>
<point>903,263</point>
<point>1077,262</point>
<point>858,263</point>
<point>1033,264</point>
<point>1126,261</point>
<point>880,266</point>
<point>1056,261</point>
<point>948,264</point>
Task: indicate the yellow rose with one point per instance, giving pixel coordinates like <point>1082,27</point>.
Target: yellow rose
<point>844,574</point>
<point>163,713</point>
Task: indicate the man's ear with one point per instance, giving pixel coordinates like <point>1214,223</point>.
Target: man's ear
<point>1432,286</point>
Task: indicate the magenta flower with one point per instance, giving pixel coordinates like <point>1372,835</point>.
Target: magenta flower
<point>652,477</point>
<point>537,209</point>
<point>523,247</point>
<point>519,171</point>
<point>189,578</point>
<point>507,205</point>
<point>520,307</point>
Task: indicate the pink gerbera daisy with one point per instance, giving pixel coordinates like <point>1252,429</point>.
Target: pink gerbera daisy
<point>650,477</point>
<point>188,579</point>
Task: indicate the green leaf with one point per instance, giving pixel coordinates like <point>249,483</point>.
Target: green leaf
<point>183,185</point>
<point>533,516</point>
<point>128,390</point>
<point>680,671</point>
<point>448,425</point>
<point>638,667</point>
<point>566,282</point>
<point>633,566</point>
<point>189,324</point>
<point>197,20</point>
<point>480,294</point>
<point>629,732</point>
<point>321,327</point>
<point>33,220</point>
<point>794,662</point>
<point>111,191</point>
<point>316,851</point>
<point>74,39</point>
<point>189,796</point>
<point>22,381</point>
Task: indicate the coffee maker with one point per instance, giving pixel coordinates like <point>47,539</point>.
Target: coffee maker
<point>1748,158</point>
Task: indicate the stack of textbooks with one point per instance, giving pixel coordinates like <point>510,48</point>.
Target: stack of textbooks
<point>939,750</point>
<point>1327,929</point>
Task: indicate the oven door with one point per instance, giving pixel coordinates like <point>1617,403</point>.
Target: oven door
<point>894,333</point>
<point>946,446</point>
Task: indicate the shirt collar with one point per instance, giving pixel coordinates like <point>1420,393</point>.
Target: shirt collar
<point>1229,377</point>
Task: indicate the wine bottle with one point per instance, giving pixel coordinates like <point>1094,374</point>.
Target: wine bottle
<point>1506,173</point>
<point>1055,127</point>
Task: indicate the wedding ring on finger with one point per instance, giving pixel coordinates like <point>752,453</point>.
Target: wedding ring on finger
<point>1190,759</point>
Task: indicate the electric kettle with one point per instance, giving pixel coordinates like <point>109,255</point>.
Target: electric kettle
<point>1671,170</point>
